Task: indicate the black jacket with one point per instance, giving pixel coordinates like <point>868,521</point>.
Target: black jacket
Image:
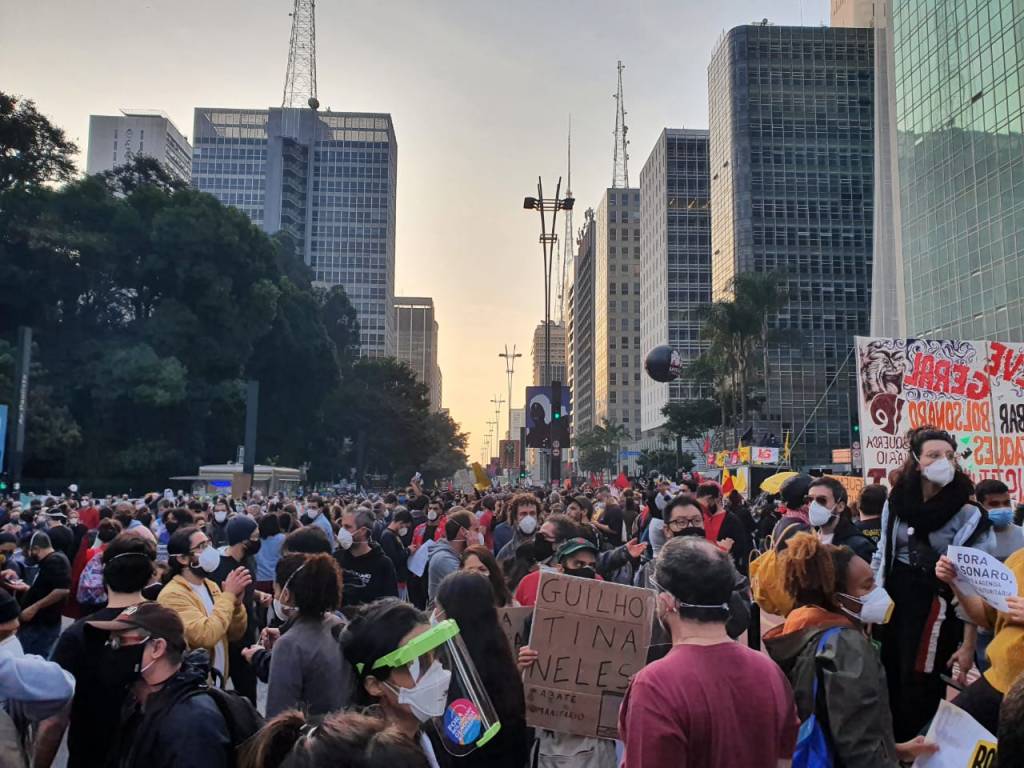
<point>176,730</point>
<point>849,535</point>
<point>368,577</point>
<point>393,547</point>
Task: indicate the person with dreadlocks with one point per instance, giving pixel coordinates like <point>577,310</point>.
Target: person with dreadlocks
<point>824,650</point>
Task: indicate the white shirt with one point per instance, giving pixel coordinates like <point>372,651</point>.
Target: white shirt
<point>218,652</point>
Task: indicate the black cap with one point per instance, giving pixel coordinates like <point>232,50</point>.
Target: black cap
<point>153,618</point>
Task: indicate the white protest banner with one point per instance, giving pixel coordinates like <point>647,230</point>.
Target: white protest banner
<point>984,575</point>
<point>418,562</point>
<point>591,637</point>
<point>963,742</point>
<point>972,389</point>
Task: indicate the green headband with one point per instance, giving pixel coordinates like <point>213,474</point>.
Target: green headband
<point>435,636</point>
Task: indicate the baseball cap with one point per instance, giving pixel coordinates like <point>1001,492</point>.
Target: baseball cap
<point>153,618</point>
<point>572,546</point>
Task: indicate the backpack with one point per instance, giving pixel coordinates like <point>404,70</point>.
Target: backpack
<point>813,746</point>
<point>767,584</point>
<point>242,718</point>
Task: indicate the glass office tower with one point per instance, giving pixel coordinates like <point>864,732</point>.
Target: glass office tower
<point>327,180</point>
<point>959,69</point>
<point>791,163</point>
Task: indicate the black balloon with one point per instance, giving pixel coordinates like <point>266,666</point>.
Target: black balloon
<point>663,364</point>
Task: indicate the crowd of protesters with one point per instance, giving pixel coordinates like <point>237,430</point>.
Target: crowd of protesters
<point>141,632</point>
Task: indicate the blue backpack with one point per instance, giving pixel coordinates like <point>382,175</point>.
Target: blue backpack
<point>813,747</point>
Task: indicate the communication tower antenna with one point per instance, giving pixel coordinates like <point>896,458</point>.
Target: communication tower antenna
<point>620,164</point>
<point>300,79</point>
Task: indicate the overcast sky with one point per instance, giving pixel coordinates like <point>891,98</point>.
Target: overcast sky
<point>480,93</point>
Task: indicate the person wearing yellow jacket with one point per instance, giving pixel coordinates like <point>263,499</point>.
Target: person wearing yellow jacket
<point>212,616</point>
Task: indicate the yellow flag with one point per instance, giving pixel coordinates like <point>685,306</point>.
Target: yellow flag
<point>483,482</point>
<point>785,448</point>
<point>744,454</point>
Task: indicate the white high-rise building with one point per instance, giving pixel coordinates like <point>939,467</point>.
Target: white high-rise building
<point>114,139</point>
<point>618,357</point>
<point>325,179</point>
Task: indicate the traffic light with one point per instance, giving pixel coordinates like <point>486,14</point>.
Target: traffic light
<point>3,483</point>
<point>522,471</point>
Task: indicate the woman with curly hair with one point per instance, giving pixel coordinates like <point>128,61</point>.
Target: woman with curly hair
<point>824,650</point>
<point>307,668</point>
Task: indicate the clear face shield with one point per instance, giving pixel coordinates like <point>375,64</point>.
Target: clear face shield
<point>446,690</point>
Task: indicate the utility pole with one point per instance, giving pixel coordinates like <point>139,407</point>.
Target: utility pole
<point>498,400</point>
<point>510,369</point>
<point>620,159</point>
<point>19,419</point>
<point>300,78</point>
<point>568,256</point>
<point>548,238</point>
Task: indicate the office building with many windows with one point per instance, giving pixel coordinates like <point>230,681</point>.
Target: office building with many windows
<point>580,336</point>
<point>115,139</point>
<point>557,344</point>
<point>617,354</point>
<point>958,77</point>
<point>327,180</point>
<point>791,163</point>
<point>675,261</point>
<point>416,333</point>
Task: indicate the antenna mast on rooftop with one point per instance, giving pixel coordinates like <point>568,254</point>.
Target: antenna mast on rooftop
<point>300,80</point>
<point>620,163</point>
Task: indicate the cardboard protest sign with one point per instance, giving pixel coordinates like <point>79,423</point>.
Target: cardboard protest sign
<point>984,575</point>
<point>591,637</point>
<point>513,623</point>
<point>972,389</point>
<point>963,742</point>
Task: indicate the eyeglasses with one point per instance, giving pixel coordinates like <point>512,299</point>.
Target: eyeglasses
<point>116,642</point>
<point>823,500</point>
<point>684,522</point>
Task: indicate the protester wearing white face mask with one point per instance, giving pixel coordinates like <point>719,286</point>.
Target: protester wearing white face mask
<point>211,617</point>
<point>461,530</point>
<point>829,515</point>
<point>928,509</point>
<point>828,658</point>
<point>524,519</point>
<point>217,529</point>
<point>368,573</point>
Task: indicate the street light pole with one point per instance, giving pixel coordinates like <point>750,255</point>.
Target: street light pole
<point>548,238</point>
<point>510,368</point>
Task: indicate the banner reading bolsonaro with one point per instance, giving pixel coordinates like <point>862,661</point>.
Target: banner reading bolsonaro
<point>972,389</point>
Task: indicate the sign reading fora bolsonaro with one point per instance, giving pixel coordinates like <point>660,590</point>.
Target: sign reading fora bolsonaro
<point>972,389</point>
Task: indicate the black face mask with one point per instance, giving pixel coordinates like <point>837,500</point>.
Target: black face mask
<point>170,528</point>
<point>692,530</point>
<point>252,547</point>
<point>123,666</point>
<point>152,591</point>
<point>586,572</point>
<point>542,549</point>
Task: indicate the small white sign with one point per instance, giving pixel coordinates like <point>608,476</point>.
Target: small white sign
<point>418,561</point>
<point>962,740</point>
<point>984,575</point>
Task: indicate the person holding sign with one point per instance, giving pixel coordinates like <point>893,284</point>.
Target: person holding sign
<point>710,702</point>
<point>983,697</point>
<point>834,669</point>
<point>929,508</point>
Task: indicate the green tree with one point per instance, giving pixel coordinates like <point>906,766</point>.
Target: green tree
<point>598,447</point>
<point>33,151</point>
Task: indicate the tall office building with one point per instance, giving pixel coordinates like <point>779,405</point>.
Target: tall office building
<point>675,261</point>
<point>416,335</point>
<point>557,344</point>
<point>791,163</point>
<point>958,72</point>
<point>581,318</point>
<point>617,353</point>
<point>854,13</point>
<point>114,139</point>
<point>325,179</point>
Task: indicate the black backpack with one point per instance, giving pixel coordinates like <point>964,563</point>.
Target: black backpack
<point>242,718</point>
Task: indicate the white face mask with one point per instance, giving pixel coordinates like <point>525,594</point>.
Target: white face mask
<point>403,532</point>
<point>431,515</point>
<point>941,472</point>
<point>283,612</point>
<point>819,514</point>
<point>875,607</point>
<point>209,559</point>
<point>528,525</point>
<point>312,513</point>
<point>344,539</point>
<point>220,515</point>
<point>428,697</point>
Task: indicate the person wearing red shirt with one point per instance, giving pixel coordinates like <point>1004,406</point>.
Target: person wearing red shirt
<point>432,530</point>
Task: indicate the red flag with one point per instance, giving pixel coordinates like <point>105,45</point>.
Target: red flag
<point>727,486</point>
<point>622,482</point>
<point>594,482</point>
<point>707,444</point>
